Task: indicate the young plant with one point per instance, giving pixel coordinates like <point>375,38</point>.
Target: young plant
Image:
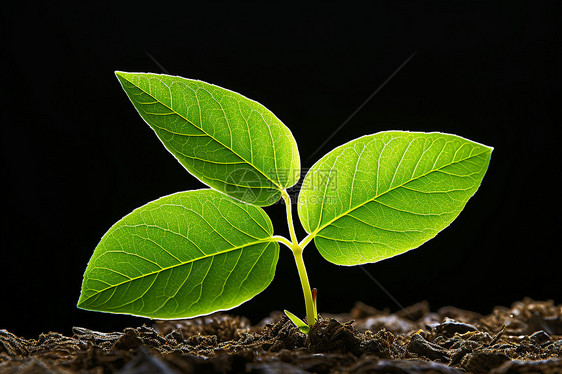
<point>196,252</point>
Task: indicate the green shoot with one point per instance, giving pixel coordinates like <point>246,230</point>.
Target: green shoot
<point>196,252</point>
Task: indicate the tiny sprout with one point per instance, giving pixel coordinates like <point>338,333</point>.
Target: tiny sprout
<point>196,252</point>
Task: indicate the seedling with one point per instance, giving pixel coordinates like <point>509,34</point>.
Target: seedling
<point>196,252</point>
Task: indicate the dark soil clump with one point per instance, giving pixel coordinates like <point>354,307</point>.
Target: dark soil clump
<point>526,338</point>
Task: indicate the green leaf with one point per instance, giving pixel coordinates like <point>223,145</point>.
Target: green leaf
<point>183,255</point>
<point>228,141</point>
<point>301,325</point>
<point>383,194</point>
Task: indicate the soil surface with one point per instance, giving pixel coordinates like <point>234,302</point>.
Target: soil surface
<point>525,338</point>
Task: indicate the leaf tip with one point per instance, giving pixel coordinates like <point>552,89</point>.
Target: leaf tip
<point>84,302</point>
<point>299,323</point>
<point>121,75</point>
<point>489,150</point>
<point>80,303</point>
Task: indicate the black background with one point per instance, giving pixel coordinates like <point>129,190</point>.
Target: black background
<point>76,156</point>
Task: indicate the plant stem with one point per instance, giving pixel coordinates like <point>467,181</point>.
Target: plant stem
<point>306,240</point>
<point>297,250</point>
<point>282,239</point>
<point>288,205</point>
<point>309,303</point>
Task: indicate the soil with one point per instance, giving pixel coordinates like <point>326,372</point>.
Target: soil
<point>525,338</point>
